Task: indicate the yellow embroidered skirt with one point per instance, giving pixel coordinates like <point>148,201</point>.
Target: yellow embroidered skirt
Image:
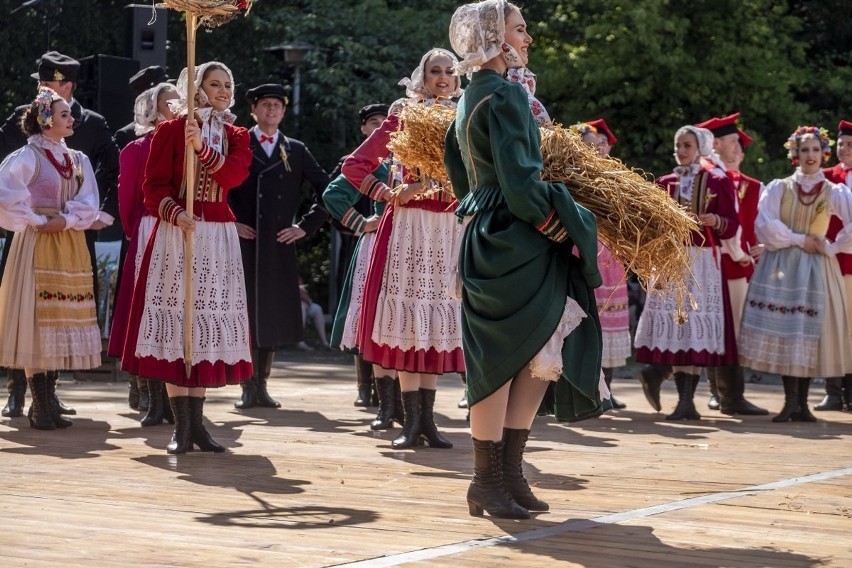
<point>48,318</point>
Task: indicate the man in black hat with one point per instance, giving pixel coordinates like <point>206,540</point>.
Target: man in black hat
<point>265,206</point>
<point>91,136</point>
<point>371,117</point>
<point>139,83</point>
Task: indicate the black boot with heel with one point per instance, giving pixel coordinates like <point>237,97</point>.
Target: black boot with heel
<point>685,409</point>
<point>427,421</point>
<point>514,443</point>
<point>198,433</point>
<point>487,492</point>
<point>40,415</point>
<point>412,430</point>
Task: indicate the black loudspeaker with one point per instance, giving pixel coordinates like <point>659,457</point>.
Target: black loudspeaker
<point>145,39</point>
<point>102,87</point>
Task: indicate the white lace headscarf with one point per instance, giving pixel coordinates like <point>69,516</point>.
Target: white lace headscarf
<point>145,113</point>
<point>212,130</point>
<point>415,86</point>
<point>477,34</point>
<point>686,174</point>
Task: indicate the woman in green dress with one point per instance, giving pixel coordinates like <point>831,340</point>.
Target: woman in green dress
<point>528,307</point>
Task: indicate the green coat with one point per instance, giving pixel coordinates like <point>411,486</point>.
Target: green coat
<point>516,276</point>
<point>340,198</point>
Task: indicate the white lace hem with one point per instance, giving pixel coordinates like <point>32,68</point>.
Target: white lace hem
<point>547,364</point>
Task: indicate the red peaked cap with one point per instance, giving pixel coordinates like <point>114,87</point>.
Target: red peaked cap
<point>844,128</point>
<point>724,126</point>
<point>600,125</point>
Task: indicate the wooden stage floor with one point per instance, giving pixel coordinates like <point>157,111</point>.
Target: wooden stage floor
<point>310,485</point>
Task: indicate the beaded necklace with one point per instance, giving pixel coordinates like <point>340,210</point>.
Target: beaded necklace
<point>807,198</point>
<point>66,170</point>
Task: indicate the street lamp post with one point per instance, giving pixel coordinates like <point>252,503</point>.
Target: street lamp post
<point>293,54</point>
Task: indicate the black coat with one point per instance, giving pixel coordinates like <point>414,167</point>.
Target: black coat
<point>125,135</point>
<point>270,200</point>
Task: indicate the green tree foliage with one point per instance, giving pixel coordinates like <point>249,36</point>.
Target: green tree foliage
<point>652,66</point>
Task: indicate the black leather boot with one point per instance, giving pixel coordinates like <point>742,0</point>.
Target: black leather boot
<point>364,381</point>
<point>52,377</point>
<point>791,400</point>
<point>387,404</point>
<point>262,370</point>
<point>399,414</point>
<point>847,392</point>
<point>167,408</point>
<point>833,395</point>
<point>133,393</point>
<point>412,430</point>
<point>249,396</point>
<point>617,404</point>
<point>427,421</point>
<point>713,401</point>
<point>487,490</point>
<point>181,441</point>
<point>805,414</point>
<point>514,442</point>
<point>730,383</point>
<point>685,409</point>
<point>58,420</point>
<point>39,414</point>
<point>144,397</point>
<point>156,410</point>
<point>198,433</point>
<point>16,383</point>
<point>652,378</point>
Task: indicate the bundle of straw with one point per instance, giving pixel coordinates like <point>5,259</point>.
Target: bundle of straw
<point>641,225</point>
<point>210,13</point>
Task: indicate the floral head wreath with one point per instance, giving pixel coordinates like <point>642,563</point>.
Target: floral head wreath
<point>583,128</point>
<point>795,140</point>
<point>415,86</point>
<point>42,103</point>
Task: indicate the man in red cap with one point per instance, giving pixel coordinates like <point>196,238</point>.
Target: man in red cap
<point>838,390</point>
<point>727,384</point>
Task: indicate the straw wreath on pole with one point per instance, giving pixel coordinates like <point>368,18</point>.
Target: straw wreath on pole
<point>643,227</point>
<point>210,14</point>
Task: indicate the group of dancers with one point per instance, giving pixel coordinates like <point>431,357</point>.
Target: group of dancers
<point>498,276</point>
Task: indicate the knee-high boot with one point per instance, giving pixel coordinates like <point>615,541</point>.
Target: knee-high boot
<point>412,430</point>
<point>685,409</point>
<point>487,491</point>
<point>791,400</point>
<point>652,378</point>
<point>262,370</point>
<point>833,399</point>
<point>427,421</point>
<point>514,442</point>
<point>730,382</point>
<point>133,393</point>
<point>804,414</point>
<point>39,414</point>
<point>198,433</point>
<point>144,397</point>
<point>181,441</point>
<point>52,377</point>
<point>156,410</point>
<point>617,404</point>
<point>364,381</point>
<point>16,383</point>
<point>387,404</point>
<point>713,401</point>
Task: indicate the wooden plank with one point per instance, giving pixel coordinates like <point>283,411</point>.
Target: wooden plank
<point>311,485</point>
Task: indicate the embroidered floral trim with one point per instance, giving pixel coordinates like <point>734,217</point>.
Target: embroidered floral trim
<point>63,297</point>
<point>811,312</point>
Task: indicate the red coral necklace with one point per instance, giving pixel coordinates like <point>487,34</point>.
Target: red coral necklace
<point>808,197</point>
<point>66,170</point>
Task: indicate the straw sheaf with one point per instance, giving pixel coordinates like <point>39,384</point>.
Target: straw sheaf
<point>210,13</point>
<point>641,225</point>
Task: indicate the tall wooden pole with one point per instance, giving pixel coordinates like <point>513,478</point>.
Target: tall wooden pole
<point>189,176</point>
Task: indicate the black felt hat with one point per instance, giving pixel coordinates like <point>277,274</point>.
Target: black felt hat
<point>270,90</point>
<point>372,110</point>
<point>147,78</point>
